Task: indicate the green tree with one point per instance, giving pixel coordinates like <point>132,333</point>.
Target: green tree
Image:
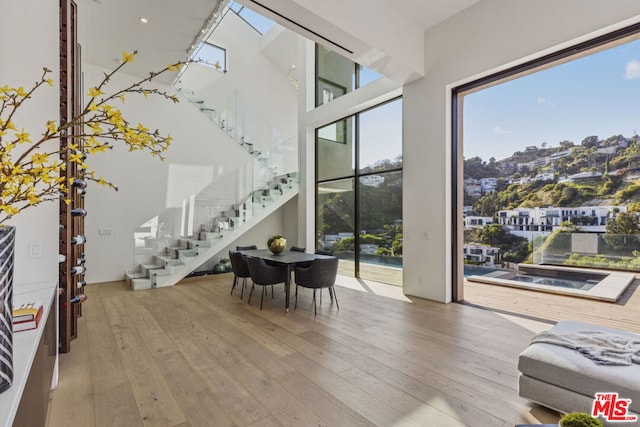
<point>488,205</point>
<point>512,248</point>
<point>590,141</point>
<point>622,231</point>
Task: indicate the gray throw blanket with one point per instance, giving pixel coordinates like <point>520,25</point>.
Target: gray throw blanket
<point>604,348</point>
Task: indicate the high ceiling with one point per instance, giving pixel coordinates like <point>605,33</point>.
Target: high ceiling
<point>108,27</point>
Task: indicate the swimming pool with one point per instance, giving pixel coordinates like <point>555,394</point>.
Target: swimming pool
<point>580,282</point>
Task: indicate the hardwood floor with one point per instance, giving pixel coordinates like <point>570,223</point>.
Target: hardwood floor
<point>193,355</point>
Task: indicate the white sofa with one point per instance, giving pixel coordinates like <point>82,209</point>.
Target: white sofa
<point>565,380</point>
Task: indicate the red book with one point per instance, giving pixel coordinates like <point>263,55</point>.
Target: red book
<point>28,324</point>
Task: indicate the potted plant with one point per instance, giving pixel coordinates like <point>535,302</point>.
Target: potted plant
<point>223,266</point>
<point>579,419</point>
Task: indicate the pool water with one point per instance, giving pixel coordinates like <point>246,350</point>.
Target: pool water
<point>555,281</point>
<point>477,270</point>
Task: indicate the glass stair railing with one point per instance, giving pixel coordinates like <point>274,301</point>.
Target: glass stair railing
<point>212,94</point>
<point>181,238</point>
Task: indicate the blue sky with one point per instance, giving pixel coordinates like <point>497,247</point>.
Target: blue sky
<point>595,95</point>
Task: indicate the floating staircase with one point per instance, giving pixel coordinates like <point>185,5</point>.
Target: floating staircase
<point>174,259</point>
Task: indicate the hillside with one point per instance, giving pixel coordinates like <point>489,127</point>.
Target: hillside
<point>597,172</point>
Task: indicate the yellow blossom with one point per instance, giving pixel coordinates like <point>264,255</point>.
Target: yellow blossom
<point>49,82</point>
<point>121,98</point>
<point>52,127</point>
<point>23,136</point>
<point>93,107</point>
<point>128,57</point>
<point>76,157</point>
<point>39,158</point>
<point>95,92</point>
<point>9,210</point>
<point>20,92</point>
<point>102,181</point>
<point>33,199</point>
<point>96,128</point>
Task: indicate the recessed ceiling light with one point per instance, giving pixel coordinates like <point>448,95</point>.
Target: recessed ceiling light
<point>143,20</point>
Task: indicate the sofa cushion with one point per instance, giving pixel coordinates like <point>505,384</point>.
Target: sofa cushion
<point>571,370</point>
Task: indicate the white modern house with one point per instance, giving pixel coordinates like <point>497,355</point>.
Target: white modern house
<point>526,222</point>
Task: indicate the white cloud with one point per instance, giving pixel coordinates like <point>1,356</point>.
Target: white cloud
<point>633,70</point>
<point>545,101</point>
<point>498,130</point>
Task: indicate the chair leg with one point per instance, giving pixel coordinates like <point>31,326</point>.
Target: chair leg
<point>296,304</point>
<point>271,291</point>
<point>235,281</point>
<point>315,310</point>
<point>251,293</point>
<point>331,293</point>
<point>264,291</point>
<point>335,296</point>
<point>244,285</point>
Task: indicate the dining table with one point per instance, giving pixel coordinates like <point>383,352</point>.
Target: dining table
<point>287,258</point>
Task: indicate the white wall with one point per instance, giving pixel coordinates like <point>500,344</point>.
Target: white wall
<point>483,38</point>
<point>259,95</point>
<point>30,42</point>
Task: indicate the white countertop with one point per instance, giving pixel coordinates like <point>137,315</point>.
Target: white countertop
<point>25,345</point>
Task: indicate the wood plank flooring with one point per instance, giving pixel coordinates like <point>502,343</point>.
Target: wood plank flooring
<point>193,355</point>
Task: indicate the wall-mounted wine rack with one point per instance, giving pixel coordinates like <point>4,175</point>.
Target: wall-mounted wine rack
<point>72,269</point>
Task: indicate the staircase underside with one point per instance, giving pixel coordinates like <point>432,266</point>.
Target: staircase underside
<point>177,263</point>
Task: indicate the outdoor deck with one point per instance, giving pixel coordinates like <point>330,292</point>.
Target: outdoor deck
<point>545,307</point>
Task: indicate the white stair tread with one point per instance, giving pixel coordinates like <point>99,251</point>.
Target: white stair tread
<point>151,266</point>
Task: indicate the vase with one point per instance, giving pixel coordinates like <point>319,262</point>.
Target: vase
<point>7,241</point>
<point>277,245</point>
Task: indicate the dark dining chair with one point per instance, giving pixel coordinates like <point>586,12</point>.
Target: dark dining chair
<point>246,248</point>
<point>265,275</point>
<point>324,252</point>
<point>319,275</point>
<point>297,249</point>
<point>240,270</point>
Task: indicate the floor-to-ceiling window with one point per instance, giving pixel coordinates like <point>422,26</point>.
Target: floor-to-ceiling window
<point>359,192</point>
<point>547,159</point>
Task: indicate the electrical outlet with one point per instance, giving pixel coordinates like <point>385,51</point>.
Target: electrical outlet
<point>105,232</point>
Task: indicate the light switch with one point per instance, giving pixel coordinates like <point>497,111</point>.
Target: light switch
<point>35,250</point>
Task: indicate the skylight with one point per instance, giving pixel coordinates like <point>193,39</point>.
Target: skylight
<point>257,21</point>
<point>211,55</point>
